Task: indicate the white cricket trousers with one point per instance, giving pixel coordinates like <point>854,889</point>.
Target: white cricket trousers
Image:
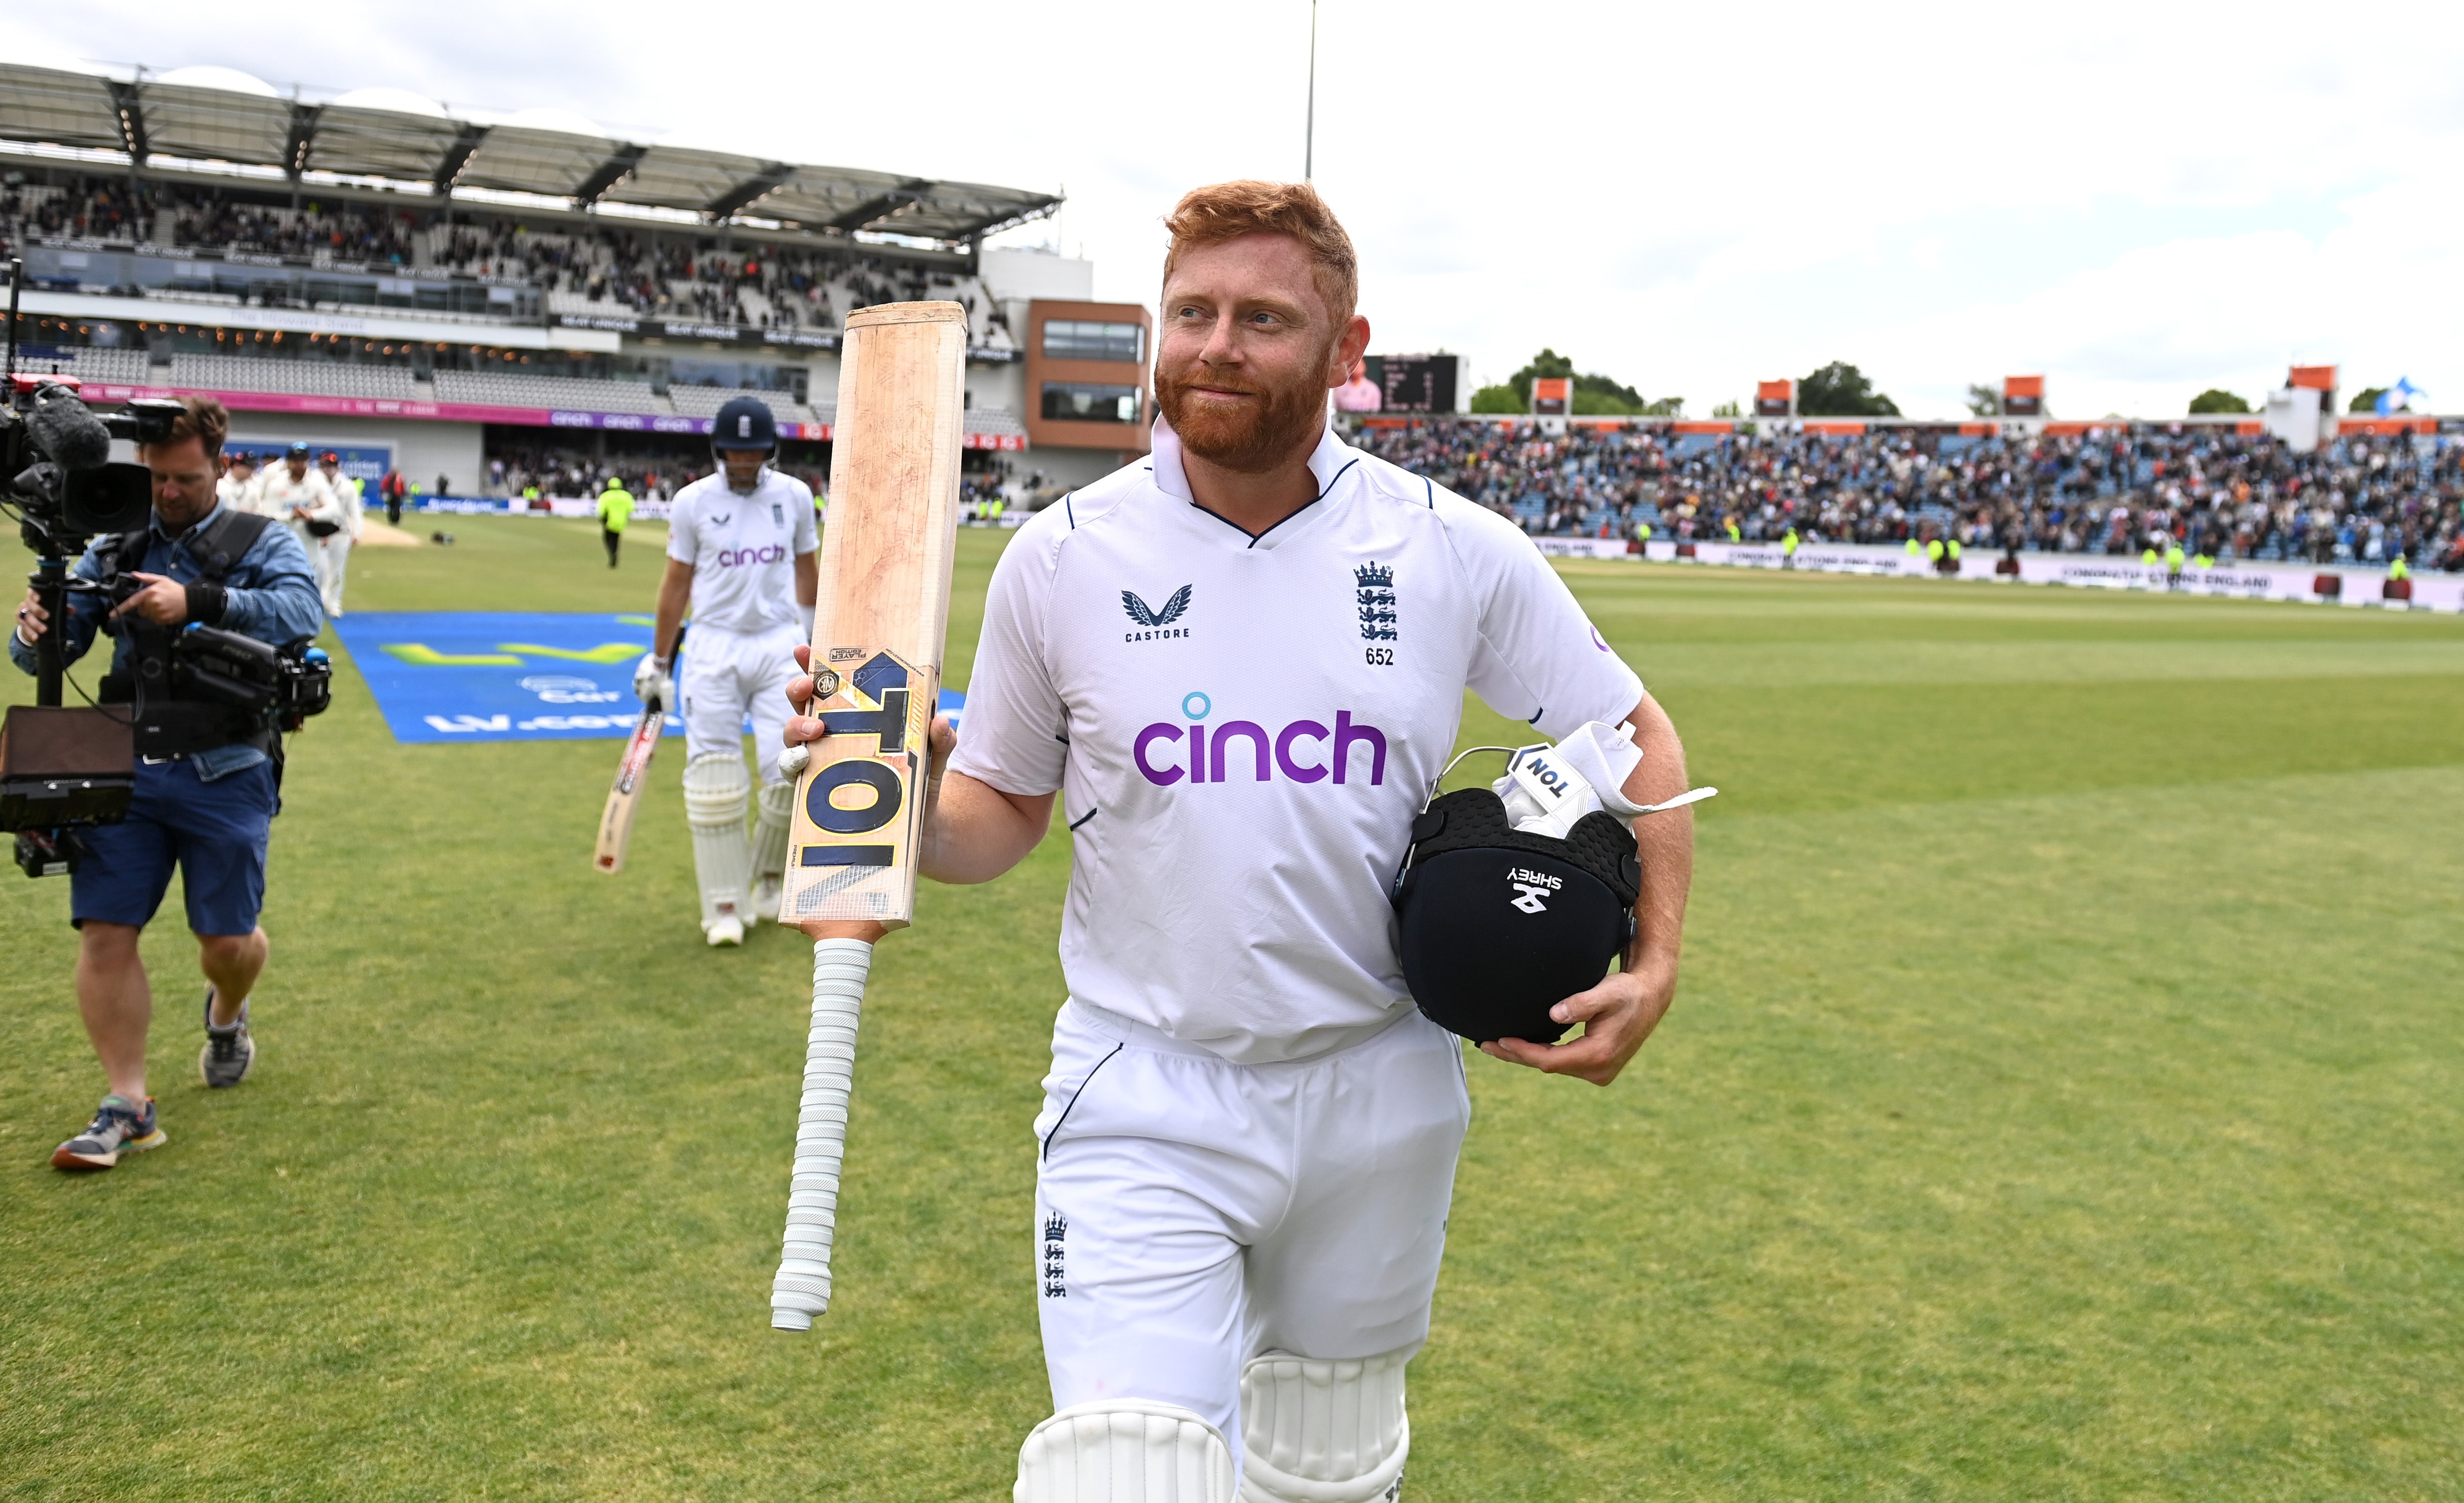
<point>729,676</point>
<point>333,562</point>
<point>1192,1213</point>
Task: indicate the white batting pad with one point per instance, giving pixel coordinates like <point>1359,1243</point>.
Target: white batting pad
<point>1124,1451</point>
<point>801,1288</point>
<point>770,833</point>
<point>716,786</point>
<point>1324,1431</point>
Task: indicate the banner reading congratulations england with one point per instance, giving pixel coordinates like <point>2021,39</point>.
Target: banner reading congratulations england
<point>2340,584</point>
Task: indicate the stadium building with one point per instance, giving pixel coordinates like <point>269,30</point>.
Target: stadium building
<point>486,303</point>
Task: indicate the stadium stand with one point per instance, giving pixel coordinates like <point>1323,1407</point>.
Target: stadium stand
<point>214,234</point>
<point>605,269</point>
<point>90,363</point>
<point>704,401</point>
<point>493,388</point>
<point>2223,494</point>
<point>994,423</point>
<point>311,378</point>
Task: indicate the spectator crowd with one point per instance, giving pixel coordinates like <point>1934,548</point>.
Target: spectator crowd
<point>2116,489</point>
<point>702,275</point>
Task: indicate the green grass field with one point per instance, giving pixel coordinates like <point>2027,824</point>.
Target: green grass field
<point>2064,1101</point>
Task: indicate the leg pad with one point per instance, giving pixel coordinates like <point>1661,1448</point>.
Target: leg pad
<point>716,786</point>
<point>770,832</point>
<point>1124,1451</point>
<point>1324,1431</point>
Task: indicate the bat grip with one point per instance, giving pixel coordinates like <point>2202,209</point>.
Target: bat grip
<point>802,1290</point>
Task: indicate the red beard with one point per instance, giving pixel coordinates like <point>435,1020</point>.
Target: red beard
<point>1249,438</point>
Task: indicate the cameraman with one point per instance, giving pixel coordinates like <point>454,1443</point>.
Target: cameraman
<point>208,808</point>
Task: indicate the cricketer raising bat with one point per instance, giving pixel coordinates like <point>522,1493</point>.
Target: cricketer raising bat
<point>625,798</point>
<point>878,627</point>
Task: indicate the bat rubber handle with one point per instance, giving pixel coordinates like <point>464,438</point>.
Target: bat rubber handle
<point>801,1288</point>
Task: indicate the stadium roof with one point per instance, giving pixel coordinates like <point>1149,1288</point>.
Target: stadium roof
<point>222,115</point>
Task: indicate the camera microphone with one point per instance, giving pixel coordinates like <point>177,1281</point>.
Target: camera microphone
<point>64,429</point>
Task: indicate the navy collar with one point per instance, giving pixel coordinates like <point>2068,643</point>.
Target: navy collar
<point>1327,463</point>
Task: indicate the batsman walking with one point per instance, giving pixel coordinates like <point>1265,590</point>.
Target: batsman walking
<point>740,550</point>
<point>1241,662</point>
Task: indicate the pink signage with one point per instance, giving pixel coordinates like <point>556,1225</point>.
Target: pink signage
<point>475,412</point>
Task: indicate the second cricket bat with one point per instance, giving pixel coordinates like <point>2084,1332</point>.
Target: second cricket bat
<point>625,798</point>
<point>879,624</point>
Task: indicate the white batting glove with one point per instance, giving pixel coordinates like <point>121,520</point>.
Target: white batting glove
<point>652,679</point>
<point>793,761</point>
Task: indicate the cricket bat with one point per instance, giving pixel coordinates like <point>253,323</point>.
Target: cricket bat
<point>625,798</point>
<point>879,623</point>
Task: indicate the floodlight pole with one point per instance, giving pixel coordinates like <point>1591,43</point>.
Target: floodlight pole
<point>1308,137</point>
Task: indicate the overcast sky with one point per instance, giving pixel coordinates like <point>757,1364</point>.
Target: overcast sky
<point>2139,201</point>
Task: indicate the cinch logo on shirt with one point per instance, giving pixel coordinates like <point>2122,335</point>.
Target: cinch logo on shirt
<point>767,553</point>
<point>1304,750</point>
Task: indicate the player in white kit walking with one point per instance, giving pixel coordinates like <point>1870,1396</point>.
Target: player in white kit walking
<point>1242,663</point>
<point>333,551</point>
<point>742,545</point>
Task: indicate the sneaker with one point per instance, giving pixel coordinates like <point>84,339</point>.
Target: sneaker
<point>230,1053</point>
<point>118,1127</point>
<point>726,929</point>
<point>765,901</point>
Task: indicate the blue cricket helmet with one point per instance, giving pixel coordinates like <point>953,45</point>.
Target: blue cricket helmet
<point>744,422</point>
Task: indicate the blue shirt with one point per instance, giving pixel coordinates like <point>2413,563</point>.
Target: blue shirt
<point>270,595</point>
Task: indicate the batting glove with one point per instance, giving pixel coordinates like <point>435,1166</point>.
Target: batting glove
<point>650,679</point>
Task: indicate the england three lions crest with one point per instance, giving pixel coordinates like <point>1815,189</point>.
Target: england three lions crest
<point>1374,598</point>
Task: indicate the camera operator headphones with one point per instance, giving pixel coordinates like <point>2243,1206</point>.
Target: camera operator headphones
<point>1497,925</point>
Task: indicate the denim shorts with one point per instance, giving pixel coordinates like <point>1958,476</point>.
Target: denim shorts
<point>214,831</point>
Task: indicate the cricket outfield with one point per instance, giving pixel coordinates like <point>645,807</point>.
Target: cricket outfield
<point>2062,1101</point>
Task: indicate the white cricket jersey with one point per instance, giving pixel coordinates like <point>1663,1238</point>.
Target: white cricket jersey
<point>1243,728</point>
<point>744,549</point>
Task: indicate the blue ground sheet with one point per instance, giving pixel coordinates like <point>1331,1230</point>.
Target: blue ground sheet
<point>509,676</point>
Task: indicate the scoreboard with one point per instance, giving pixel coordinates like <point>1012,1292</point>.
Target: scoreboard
<point>1419,382</point>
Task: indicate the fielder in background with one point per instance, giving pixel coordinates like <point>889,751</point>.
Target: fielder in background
<point>1242,663</point>
<point>237,487</point>
<point>615,510</point>
<point>333,551</point>
<point>740,547</point>
<point>296,493</point>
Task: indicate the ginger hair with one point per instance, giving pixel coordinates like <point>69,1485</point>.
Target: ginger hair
<point>1223,211</point>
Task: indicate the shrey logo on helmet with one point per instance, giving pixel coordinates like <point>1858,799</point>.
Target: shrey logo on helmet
<point>1534,886</point>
